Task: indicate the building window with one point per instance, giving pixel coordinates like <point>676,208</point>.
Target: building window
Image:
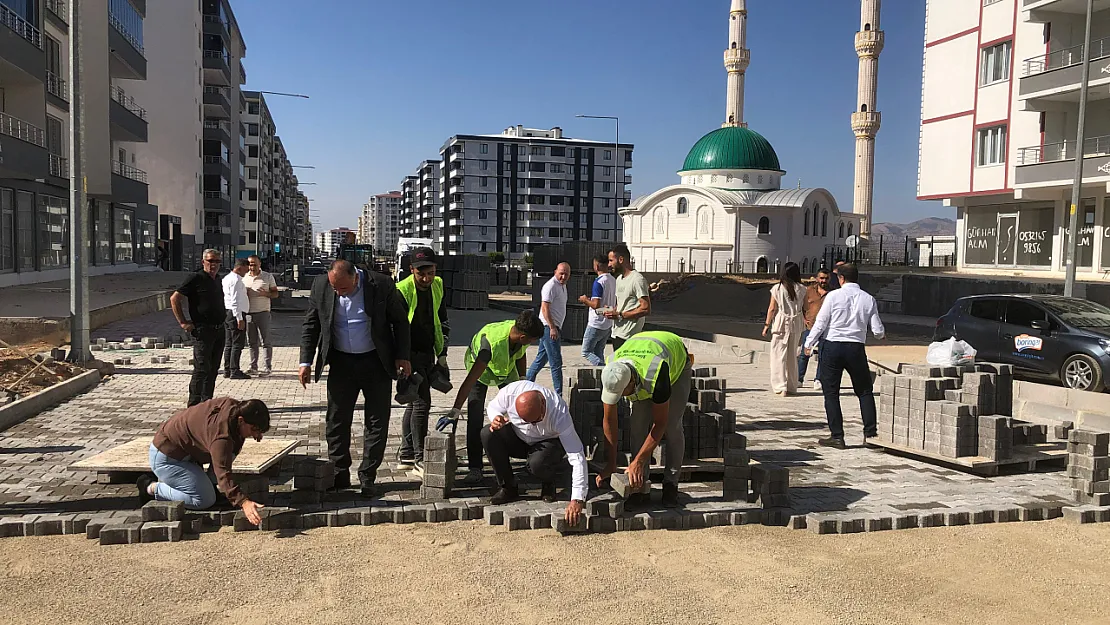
<point>556,168</point>
<point>992,146</point>
<point>764,225</point>
<point>606,218</point>
<point>584,170</point>
<point>148,253</point>
<point>841,230</point>
<point>555,184</point>
<point>825,224</point>
<point>102,227</point>
<point>252,195</point>
<point>520,150</point>
<point>483,180</point>
<point>683,206</point>
<point>537,167</point>
<point>995,64</point>
<point>805,227</point>
<point>252,130</point>
<point>703,222</point>
<point>483,214</point>
<point>558,151</point>
<point>483,165</point>
<point>607,187</point>
<point>538,150</point>
<point>851,227</point>
<point>252,108</point>
<point>605,203</point>
<point>482,230</point>
<point>761,265</point>
<point>483,149</point>
<point>522,166</point>
<point>608,155</point>
<point>606,171</point>
<point>54,232</point>
<point>124,241</point>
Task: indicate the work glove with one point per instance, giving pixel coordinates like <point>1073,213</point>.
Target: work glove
<point>450,419</point>
<point>442,361</point>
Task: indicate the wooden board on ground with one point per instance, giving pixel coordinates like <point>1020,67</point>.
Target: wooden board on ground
<point>134,457</point>
<point>1029,456</point>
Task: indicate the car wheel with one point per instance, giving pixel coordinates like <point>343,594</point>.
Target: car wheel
<point>1083,373</point>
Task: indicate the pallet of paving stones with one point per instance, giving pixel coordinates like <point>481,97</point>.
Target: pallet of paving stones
<point>466,281</point>
<point>579,254</point>
<point>1025,457</point>
<point>466,300</point>
<point>507,279</point>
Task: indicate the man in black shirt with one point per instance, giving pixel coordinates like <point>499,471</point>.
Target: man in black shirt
<point>429,330</point>
<point>205,323</point>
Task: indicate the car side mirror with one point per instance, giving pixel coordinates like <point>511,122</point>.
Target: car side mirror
<point>1042,325</point>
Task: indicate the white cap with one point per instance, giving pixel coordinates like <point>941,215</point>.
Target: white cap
<point>614,379</point>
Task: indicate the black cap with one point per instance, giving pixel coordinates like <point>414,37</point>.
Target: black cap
<point>422,257</point>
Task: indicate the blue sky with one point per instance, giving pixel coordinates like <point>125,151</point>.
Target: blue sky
<point>390,80</point>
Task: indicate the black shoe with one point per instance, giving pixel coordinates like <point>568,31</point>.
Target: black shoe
<point>342,482</point>
<point>143,483</point>
<point>832,441</point>
<point>239,375</point>
<point>227,374</point>
<point>870,435</point>
<point>506,494</point>
<point>547,492</point>
<point>670,495</point>
<point>368,491</point>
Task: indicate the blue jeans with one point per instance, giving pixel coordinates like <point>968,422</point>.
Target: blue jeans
<point>550,351</point>
<point>593,345</point>
<point>803,360</point>
<point>182,480</point>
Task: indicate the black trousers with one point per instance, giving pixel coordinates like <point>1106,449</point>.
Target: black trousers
<point>234,342</point>
<point>207,346</point>
<point>836,358</point>
<point>414,425</point>
<point>546,459</point>
<point>475,419</point>
<point>348,375</point>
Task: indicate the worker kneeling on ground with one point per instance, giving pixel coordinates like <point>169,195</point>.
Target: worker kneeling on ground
<point>211,432</point>
<point>532,422</point>
<point>495,357</point>
<point>651,369</point>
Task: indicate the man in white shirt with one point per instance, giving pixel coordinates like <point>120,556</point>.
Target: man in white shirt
<point>553,311</point>
<point>602,298</point>
<point>531,422</point>
<point>842,323</point>
<point>261,288</point>
<point>235,327</point>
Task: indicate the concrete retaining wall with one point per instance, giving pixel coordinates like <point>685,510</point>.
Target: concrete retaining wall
<point>55,329</point>
<point>1041,403</point>
<point>32,405</point>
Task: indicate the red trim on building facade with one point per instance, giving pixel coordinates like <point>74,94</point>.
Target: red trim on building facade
<point>944,118</point>
<point>957,35</point>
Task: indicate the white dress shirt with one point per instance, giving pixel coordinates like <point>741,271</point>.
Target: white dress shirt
<point>555,424</point>
<point>235,295</point>
<point>845,316</point>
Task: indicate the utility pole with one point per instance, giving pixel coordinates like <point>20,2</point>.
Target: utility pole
<point>78,213</point>
<point>1073,217</point>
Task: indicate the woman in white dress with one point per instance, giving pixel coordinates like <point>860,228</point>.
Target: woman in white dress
<point>785,322</point>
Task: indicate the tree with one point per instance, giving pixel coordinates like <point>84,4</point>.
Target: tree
<point>496,258</point>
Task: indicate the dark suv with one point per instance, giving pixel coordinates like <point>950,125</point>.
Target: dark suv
<point>1062,338</point>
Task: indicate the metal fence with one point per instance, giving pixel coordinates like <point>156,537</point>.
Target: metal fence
<point>890,251</point>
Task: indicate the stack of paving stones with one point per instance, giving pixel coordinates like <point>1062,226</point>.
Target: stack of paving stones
<point>953,412</point>
<point>311,478</point>
<point>770,487</point>
<point>588,414</point>
<point>440,464</point>
<point>254,487</point>
<point>737,468</point>
<point>1089,466</point>
<point>465,281</point>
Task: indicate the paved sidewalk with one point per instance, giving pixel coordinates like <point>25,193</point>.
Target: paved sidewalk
<point>51,299</point>
<point>34,455</point>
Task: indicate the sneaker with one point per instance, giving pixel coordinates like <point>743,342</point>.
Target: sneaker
<point>252,371</point>
<point>670,495</point>
<point>473,478</point>
<point>506,494</point>
<point>547,492</point>
<point>239,375</point>
<point>417,470</point>
<point>266,371</point>
<point>143,484</point>
<point>405,464</point>
<point>832,441</point>
<point>817,385</point>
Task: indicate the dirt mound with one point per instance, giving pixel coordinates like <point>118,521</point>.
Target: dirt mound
<point>732,296</point>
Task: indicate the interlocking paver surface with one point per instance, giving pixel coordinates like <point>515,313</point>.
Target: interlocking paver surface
<point>35,455</point>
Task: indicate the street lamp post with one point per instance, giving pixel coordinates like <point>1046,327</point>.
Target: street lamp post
<point>1073,217</point>
<point>616,165</point>
<point>79,325</point>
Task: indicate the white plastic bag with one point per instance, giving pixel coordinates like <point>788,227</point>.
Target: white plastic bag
<point>950,353</point>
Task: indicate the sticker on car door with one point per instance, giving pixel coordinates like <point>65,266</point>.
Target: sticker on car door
<point>1028,346</point>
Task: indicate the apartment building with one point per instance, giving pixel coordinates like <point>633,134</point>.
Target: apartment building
<point>379,223</point>
<point>255,226</point>
<point>421,206</point>
<point>525,187</point>
<point>999,114</point>
<point>328,241</point>
<point>34,120</point>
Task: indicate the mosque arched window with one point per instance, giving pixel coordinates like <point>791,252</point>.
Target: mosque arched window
<point>841,231</point>
<point>764,225</point>
<point>683,206</point>
<point>806,229</point>
<point>825,224</point>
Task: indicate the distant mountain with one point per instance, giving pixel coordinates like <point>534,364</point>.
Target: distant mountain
<point>930,226</point>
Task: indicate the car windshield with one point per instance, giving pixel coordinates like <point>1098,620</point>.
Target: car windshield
<point>1079,313</point>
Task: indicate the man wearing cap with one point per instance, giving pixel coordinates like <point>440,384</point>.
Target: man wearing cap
<point>495,357</point>
<point>653,370</point>
<point>429,330</point>
<point>531,422</point>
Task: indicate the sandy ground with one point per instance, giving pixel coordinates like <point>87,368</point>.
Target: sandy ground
<point>469,573</point>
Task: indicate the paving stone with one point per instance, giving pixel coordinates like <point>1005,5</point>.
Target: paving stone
<point>979,517</point>
<point>161,532</point>
<point>821,524</point>
<point>448,511</point>
<point>601,524</point>
<point>1081,514</point>
<point>517,521</point>
<point>49,525</point>
<point>930,519</point>
<point>558,521</point>
<point>280,519</point>
<point>1007,515</point>
<point>10,527</point>
<point>310,520</point>
<point>242,524</point>
<point>957,517</point>
<point>163,511</point>
<point>494,516</point>
<point>1032,514</point>
<point>879,524</point>
<point>377,515</point>
<point>541,521</point>
<point>850,526</point>
<point>121,534</point>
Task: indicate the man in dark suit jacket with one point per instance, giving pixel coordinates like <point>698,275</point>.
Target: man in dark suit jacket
<point>357,323</point>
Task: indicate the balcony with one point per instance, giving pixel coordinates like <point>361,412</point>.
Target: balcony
<point>218,130</point>
<point>1073,7</point>
<point>1053,164</point>
<point>215,25</point>
<point>58,88</point>
<point>21,44</point>
<point>125,41</point>
<point>57,10</point>
<point>216,166</point>
<point>59,166</point>
<point>126,118</point>
<point>217,67</point>
<point>217,102</point>
<point>1057,74</point>
<point>217,201</point>
<point>128,183</point>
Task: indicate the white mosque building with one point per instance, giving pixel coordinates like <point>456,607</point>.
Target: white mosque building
<point>730,212</point>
